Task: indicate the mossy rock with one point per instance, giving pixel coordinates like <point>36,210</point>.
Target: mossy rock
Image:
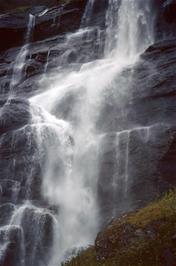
<point>144,238</point>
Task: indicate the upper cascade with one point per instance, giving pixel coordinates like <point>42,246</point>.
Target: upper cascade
<point>129,28</point>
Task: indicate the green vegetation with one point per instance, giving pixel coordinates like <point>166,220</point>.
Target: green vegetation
<point>144,238</point>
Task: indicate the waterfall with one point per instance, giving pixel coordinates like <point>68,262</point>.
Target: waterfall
<point>21,57</point>
<point>64,139</point>
<point>72,146</point>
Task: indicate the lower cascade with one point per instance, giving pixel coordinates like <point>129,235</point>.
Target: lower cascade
<point>70,150</point>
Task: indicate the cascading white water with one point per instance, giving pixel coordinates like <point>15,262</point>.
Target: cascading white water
<point>72,146</point>
<point>134,28</point>
<point>130,31</point>
<point>87,14</point>
<point>21,57</point>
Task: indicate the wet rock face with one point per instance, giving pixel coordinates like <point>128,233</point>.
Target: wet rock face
<point>14,115</point>
<point>18,146</point>
<point>137,160</point>
<point>21,180</point>
<point>48,22</point>
<point>27,241</point>
<point>53,43</point>
<point>98,14</point>
<point>165,20</point>
<point>6,211</point>
<point>10,239</point>
<point>11,4</point>
<point>38,236</point>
